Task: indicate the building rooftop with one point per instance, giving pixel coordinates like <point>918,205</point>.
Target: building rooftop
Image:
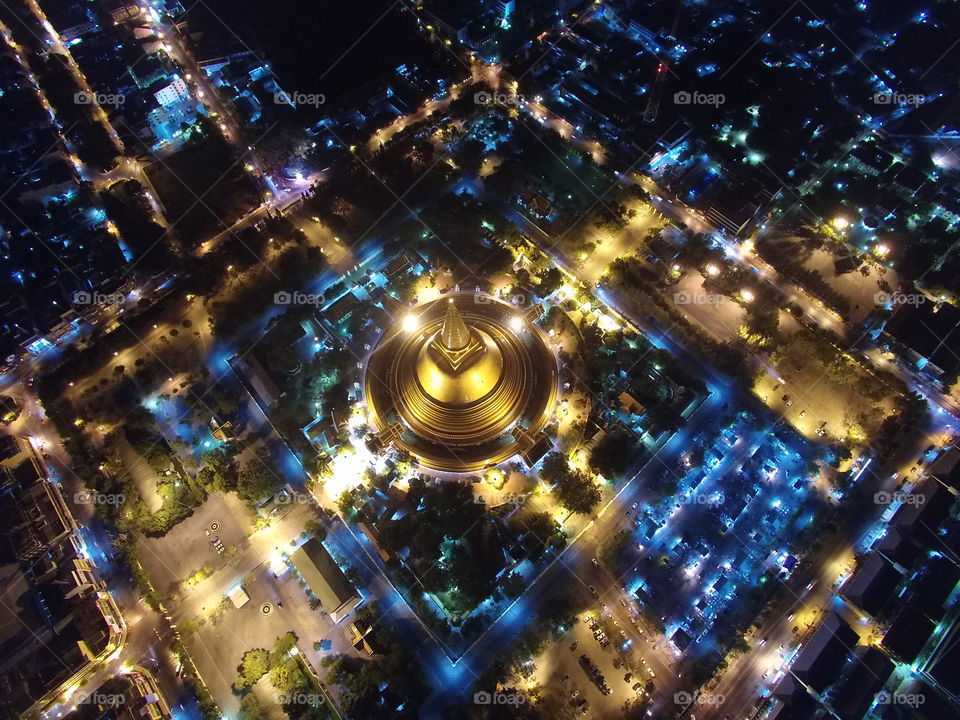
<point>325,578</point>
<point>857,690</point>
<point>872,585</point>
<point>908,634</point>
<point>825,653</point>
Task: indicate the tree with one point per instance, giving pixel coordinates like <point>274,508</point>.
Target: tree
<point>578,492</point>
<point>287,676</point>
<point>250,708</point>
<point>256,482</point>
<point>636,708</point>
<point>346,502</point>
<point>221,471</point>
<point>550,281</point>
<point>471,154</point>
<point>611,457</point>
<point>315,528</point>
<point>513,585</point>
<point>254,666</point>
<point>542,526</point>
<point>554,468</point>
<point>281,647</point>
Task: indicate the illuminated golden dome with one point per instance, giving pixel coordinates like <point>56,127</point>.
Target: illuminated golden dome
<point>455,378</point>
<point>469,379</point>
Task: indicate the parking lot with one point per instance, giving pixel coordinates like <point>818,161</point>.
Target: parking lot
<point>276,605</point>
<point>626,673</point>
<point>815,402</point>
<point>188,546</point>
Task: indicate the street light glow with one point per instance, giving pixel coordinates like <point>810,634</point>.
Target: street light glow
<point>411,323</point>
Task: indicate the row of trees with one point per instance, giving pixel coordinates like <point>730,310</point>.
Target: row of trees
<point>575,489</point>
<point>286,676</point>
<point>628,277</point>
<point>454,550</point>
<point>512,669</point>
<point>784,257</point>
<point>390,685</point>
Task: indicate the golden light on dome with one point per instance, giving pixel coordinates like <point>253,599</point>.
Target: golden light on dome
<point>461,393</point>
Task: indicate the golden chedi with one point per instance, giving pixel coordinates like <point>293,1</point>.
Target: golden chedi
<point>458,379</point>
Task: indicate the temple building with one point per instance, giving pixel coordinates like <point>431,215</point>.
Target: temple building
<point>462,383</point>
